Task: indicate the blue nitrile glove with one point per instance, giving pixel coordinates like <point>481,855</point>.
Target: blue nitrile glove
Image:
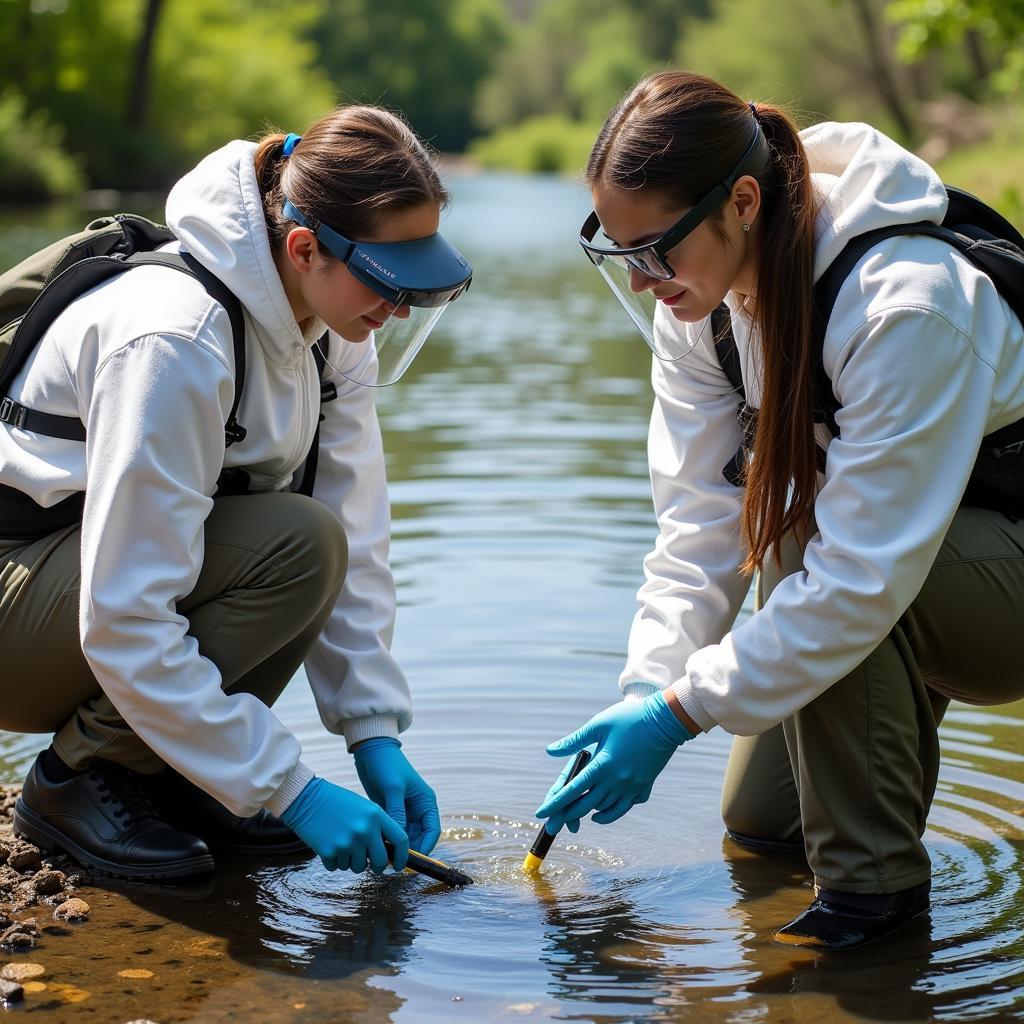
<point>555,823</point>
<point>634,741</point>
<point>345,829</point>
<point>392,783</point>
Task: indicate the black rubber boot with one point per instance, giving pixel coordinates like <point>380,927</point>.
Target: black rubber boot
<point>102,819</point>
<point>189,807</point>
<point>832,926</point>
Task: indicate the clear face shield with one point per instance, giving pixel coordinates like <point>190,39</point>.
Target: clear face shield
<point>418,279</point>
<point>399,339</point>
<point>630,271</point>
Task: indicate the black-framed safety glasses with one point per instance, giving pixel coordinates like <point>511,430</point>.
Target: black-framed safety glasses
<point>651,258</point>
<point>618,264</point>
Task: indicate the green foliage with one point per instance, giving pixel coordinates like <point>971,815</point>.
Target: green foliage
<point>33,164</point>
<point>614,58</point>
<point>539,75</point>
<point>992,172</point>
<point>935,25</point>
<point>228,69</point>
<point>220,69</point>
<point>577,57</point>
<point>807,56</point>
<point>553,143</point>
<point>424,58</point>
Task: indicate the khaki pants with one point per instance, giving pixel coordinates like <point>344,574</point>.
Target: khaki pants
<point>853,773</point>
<point>272,569</point>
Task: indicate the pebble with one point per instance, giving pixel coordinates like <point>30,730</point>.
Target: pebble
<point>25,859</point>
<point>21,935</point>
<point>46,883</point>
<point>74,909</point>
<point>69,993</point>
<point>141,1021</point>
<point>21,971</point>
<point>135,972</point>
<point>11,991</point>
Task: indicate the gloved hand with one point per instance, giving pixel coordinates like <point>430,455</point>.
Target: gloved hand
<point>554,824</point>
<point>345,829</point>
<point>392,783</point>
<point>634,741</point>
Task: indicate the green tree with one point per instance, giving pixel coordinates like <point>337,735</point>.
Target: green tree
<point>577,57</point>
<point>209,70</point>
<point>983,26</point>
<point>424,58</point>
<point>808,56</point>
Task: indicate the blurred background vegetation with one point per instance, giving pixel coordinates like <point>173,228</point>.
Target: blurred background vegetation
<point>127,94</point>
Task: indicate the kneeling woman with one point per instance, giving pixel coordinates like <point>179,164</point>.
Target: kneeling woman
<point>882,594</point>
<point>153,636</point>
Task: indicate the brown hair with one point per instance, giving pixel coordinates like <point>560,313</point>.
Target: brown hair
<point>676,135</point>
<point>352,168</point>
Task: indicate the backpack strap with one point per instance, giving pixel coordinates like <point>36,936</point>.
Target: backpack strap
<point>826,291</point>
<point>725,348</point>
<point>328,393</point>
<point>82,277</point>
<point>219,292</point>
<point>729,359</point>
<point>979,233</point>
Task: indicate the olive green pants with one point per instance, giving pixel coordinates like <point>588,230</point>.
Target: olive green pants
<point>272,569</point>
<point>852,774</point>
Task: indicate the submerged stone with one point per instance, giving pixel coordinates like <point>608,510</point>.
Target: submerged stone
<point>21,971</point>
<point>74,909</point>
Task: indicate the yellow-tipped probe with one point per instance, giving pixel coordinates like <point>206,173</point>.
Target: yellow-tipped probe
<point>544,839</point>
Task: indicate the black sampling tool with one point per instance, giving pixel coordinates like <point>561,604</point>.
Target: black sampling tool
<point>436,869</point>
<point>544,839</point>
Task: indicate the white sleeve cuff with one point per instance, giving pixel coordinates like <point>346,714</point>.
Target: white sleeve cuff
<point>638,690</point>
<point>294,783</point>
<point>358,729</point>
<point>691,704</point>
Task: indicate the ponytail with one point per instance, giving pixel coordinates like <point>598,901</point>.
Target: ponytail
<point>784,449</point>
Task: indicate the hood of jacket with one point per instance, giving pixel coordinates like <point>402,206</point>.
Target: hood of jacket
<point>216,212</point>
<point>864,181</point>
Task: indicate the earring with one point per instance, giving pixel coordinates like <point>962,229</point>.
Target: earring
<point>746,227</point>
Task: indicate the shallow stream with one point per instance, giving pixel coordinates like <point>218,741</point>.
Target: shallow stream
<point>521,515</point>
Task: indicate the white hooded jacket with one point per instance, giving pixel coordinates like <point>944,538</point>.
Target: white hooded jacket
<point>146,360</point>
<point>925,358</point>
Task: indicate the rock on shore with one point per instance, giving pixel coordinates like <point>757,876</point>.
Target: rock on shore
<point>29,879</point>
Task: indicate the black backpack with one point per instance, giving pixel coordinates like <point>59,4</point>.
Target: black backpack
<point>996,248</point>
<point>35,291</point>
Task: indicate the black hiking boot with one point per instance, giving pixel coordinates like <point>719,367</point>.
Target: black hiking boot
<point>186,806</point>
<point>102,819</point>
<point>830,925</point>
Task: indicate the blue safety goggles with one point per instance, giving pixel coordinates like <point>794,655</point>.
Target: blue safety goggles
<point>419,278</point>
<point>423,272</point>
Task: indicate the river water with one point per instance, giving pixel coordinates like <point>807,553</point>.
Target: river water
<point>521,514</point>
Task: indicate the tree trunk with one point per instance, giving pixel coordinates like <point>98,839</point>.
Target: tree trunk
<point>976,55</point>
<point>138,97</point>
<point>877,46</point>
